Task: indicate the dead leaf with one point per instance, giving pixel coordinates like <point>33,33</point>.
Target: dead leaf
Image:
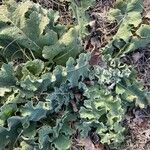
<point>148,15</point>
<point>136,57</point>
<point>74,106</point>
<point>88,144</point>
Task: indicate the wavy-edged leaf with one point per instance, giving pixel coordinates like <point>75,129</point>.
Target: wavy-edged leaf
<point>128,16</point>
<point>78,70</point>
<point>35,113</point>
<point>24,25</point>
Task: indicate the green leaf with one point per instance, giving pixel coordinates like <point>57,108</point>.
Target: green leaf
<point>67,46</point>
<point>25,26</point>
<point>25,146</point>
<point>3,134</point>
<point>3,91</point>
<point>44,138</point>
<point>35,113</point>
<point>87,114</point>
<point>9,136</point>
<point>81,69</point>
<point>79,9</point>
<point>104,112</point>
<point>141,40</point>
<point>62,142</point>
<point>115,14</point>
<point>31,72</point>
<point>30,84</point>
<point>128,16</point>
<point>133,92</point>
<point>60,96</point>
<point>33,68</point>
<point>7,111</point>
<point>7,78</point>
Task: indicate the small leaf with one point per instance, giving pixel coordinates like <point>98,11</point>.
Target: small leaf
<point>62,142</point>
<point>33,68</point>
<point>80,70</point>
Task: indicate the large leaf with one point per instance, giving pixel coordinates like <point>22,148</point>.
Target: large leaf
<point>25,25</point>
<point>79,9</point>
<point>67,46</point>
<point>128,16</point>
<point>35,113</point>
<point>141,39</point>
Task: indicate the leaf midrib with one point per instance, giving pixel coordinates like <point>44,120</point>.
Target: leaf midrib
<point>23,33</point>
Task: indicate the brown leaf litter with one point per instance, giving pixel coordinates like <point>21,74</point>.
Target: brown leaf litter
<point>101,29</point>
<point>61,7</point>
<point>92,142</point>
<point>138,124</point>
<point>140,60</point>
